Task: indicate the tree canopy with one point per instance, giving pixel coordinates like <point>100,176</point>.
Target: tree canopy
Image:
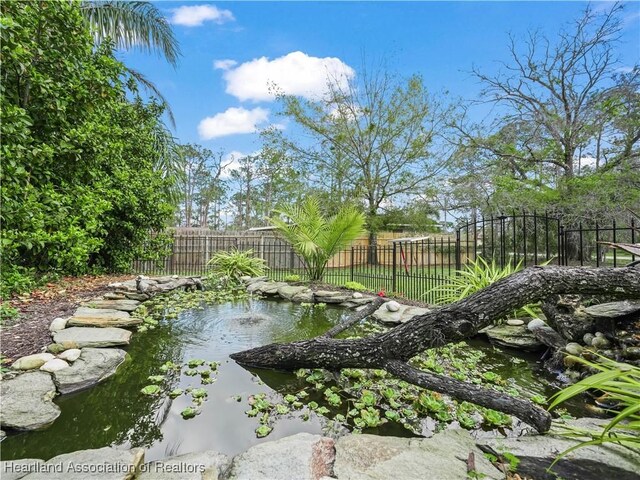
<point>82,156</point>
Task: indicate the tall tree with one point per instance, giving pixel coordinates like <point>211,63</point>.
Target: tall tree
<point>551,87</point>
<point>134,24</point>
<point>131,24</point>
<point>80,183</point>
<point>372,138</point>
<point>567,134</point>
<point>202,184</point>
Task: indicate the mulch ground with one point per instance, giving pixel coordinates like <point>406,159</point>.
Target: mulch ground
<point>29,333</point>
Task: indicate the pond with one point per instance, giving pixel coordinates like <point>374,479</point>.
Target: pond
<point>115,412</point>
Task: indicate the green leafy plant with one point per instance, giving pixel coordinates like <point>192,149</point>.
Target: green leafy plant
<point>292,278</point>
<point>237,263</point>
<point>356,286</point>
<point>189,412</point>
<point>474,277</point>
<point>7,312</point>
<point>621,383</point>
<point>315,237</point>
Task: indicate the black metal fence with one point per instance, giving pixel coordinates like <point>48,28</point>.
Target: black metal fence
<point>412,267</point>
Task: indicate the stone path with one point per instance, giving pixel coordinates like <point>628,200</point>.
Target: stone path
<point>81,355</point>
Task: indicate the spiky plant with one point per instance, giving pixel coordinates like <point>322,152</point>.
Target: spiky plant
<point>315,237</point>
<point>474,277</point>
<point>131,24</point>
<point>620,382</point>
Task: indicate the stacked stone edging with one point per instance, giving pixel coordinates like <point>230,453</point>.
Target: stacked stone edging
<point>83,353</point>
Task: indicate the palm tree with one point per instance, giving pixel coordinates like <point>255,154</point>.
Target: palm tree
<point>317,238</point>
<point>139,24</point>
<point>134,24</point>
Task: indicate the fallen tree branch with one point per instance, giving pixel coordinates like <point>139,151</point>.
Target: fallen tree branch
<point>451,323</point>
<point>523,409</point>
<point>354,318</point>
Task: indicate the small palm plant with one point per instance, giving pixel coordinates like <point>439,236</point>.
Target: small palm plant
<point>317,238</point>
<point>620,382</point>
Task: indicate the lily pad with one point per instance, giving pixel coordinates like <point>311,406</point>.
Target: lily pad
<point>151,390</point>
<point>189,412</point>
<point>263,431</point>
<point>176,392</point>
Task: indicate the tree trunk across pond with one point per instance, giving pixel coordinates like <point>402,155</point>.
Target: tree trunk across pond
<point>451,323</point>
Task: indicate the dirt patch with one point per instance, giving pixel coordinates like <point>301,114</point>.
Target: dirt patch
<point>29,333</point>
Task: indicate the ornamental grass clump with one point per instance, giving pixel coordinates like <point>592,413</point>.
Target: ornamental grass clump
<point>620,383</point>
<point>474,277</point>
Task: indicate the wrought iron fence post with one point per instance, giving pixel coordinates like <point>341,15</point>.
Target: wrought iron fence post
<point>351,263</point>
<point>393,270</point>
<point>458,252</point>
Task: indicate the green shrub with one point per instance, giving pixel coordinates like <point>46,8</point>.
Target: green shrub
<point>7,312</point>
<point>236,263</point>
<point>292,278</point>
<point>358,287</point>
<point>16,279</point>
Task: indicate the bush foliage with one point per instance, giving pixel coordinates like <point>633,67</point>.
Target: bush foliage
<point>80,184</point>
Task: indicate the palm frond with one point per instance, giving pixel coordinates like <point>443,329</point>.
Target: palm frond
<point>132,24</point>
<point>150,86</point>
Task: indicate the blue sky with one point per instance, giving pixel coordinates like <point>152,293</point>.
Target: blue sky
<point>294,43</point>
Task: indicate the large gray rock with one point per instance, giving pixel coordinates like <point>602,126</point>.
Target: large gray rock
<point>403,314</point>
<point>249,280</point>
<point>289,292</point>
<point>26,401</point>
<point>537,452</point>
<point>125,305</point>
<point>93,366</point>
<point>328,296</point>
<point>509,336</point>
<point>102,317</point>
<point>209,465</point>
<point>16,469</point>
<point>93,337</point>
<point>31,362</point>
<point>105,463</point>
<point>443,457</point>
<point>302,457</point>
<point>613,309</point>
<point>270,288</point>
<point>256,287</point>
<point>58,324</point>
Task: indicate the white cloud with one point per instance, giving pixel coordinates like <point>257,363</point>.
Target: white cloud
<point>224,64</point>
<point>294,74</point>
<point>231,122</point>
<point>624,69</point>
<point>196,15</point>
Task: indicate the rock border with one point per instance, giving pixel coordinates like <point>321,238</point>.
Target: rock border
<point>84,351</point>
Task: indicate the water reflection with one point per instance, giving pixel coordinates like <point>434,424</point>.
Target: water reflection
<point>116,413</point>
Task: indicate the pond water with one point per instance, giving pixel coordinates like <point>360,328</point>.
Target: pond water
<point>116,413</point>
